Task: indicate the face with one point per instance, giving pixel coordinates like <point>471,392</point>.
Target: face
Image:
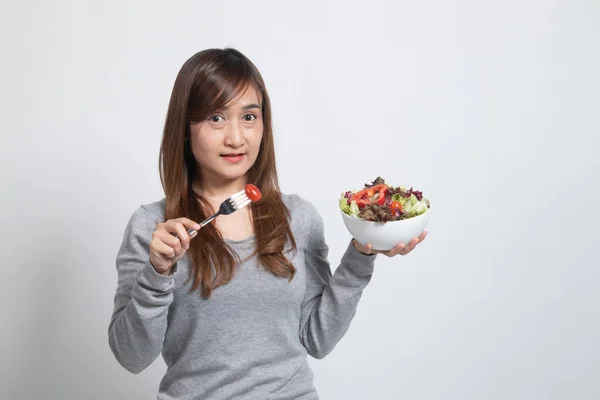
<point>226,145</point>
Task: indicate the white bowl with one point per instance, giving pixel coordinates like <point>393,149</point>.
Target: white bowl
<point>386,235</point>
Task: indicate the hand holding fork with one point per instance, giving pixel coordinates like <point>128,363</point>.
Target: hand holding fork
<point>171,239</point>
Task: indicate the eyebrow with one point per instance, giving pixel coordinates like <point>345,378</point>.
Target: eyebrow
<point>250,106</point>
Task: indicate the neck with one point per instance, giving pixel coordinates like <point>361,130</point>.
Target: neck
<point>218,190</point>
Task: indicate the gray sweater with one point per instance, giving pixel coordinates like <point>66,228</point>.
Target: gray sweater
<point>250,340</point>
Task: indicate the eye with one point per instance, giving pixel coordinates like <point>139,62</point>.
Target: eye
<point>216,118</point>
<point>249,117</point>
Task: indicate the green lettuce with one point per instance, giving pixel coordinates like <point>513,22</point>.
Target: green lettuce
<point>348,209</point>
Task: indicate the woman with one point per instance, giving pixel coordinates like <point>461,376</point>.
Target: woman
<point>236,309</point>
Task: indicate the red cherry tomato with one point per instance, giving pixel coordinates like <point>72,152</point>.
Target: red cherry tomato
<point>396,206</point>
<point>253,193</point>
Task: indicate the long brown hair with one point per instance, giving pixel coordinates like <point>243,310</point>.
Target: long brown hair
<point>206,83</point>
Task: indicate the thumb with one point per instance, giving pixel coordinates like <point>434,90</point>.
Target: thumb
<point>365,249</point>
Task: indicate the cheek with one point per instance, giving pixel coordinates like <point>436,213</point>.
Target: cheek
<point>256,136</point>
<point>197,148</point>
<point>202,142</point>
<point>201,151</point>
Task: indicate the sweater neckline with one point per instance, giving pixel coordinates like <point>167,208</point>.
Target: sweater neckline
<point>242,241</point>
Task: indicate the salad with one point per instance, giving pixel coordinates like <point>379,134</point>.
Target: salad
<point>380,202</point>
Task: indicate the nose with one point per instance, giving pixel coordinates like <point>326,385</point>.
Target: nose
<point>234,135</point>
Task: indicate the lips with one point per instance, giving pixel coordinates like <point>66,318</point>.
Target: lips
<point>233,157</point>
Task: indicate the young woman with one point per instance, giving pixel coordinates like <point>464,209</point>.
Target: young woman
<point>235,310</point>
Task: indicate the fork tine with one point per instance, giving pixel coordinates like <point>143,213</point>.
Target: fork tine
<point>239,194</point>
<point>242,204</point>
<point>237,201</point>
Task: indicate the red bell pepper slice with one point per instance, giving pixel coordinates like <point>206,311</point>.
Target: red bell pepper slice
<point>363,197</point>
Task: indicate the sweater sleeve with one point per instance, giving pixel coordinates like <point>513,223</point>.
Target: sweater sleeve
<point>141,303</point>
<point>331,300</point>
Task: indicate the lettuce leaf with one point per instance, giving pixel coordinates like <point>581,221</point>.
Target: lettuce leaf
<point>348,209</point>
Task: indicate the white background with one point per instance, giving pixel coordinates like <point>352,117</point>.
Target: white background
<point>490,108</point>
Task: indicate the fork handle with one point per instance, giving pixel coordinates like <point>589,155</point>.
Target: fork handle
<point>193,232</point>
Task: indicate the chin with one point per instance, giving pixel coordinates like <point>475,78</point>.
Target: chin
<point>235,173</point>
<point>231,172</point>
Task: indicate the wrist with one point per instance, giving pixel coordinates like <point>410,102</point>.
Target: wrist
<point>171,270</point>
<point>168,272</point>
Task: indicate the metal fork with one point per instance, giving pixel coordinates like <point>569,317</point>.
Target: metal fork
<point>230,205</point>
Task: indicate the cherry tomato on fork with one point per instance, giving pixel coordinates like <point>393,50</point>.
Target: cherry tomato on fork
<point>253,193</point>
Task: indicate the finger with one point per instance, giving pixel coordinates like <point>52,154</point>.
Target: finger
<point>394,250</point>
<point>167,237</point>
<point>369,248</point>
<point>171,225</point>
<point>397,249</point>
<point>162,249</point>
<point>183,236</point>
<point>423,235</point>
<point>401,248</point>
<point>410,247</point>
<point>413,243</point>
<point>189,224</point>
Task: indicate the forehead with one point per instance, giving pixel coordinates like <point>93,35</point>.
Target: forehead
<point>248,96</point>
